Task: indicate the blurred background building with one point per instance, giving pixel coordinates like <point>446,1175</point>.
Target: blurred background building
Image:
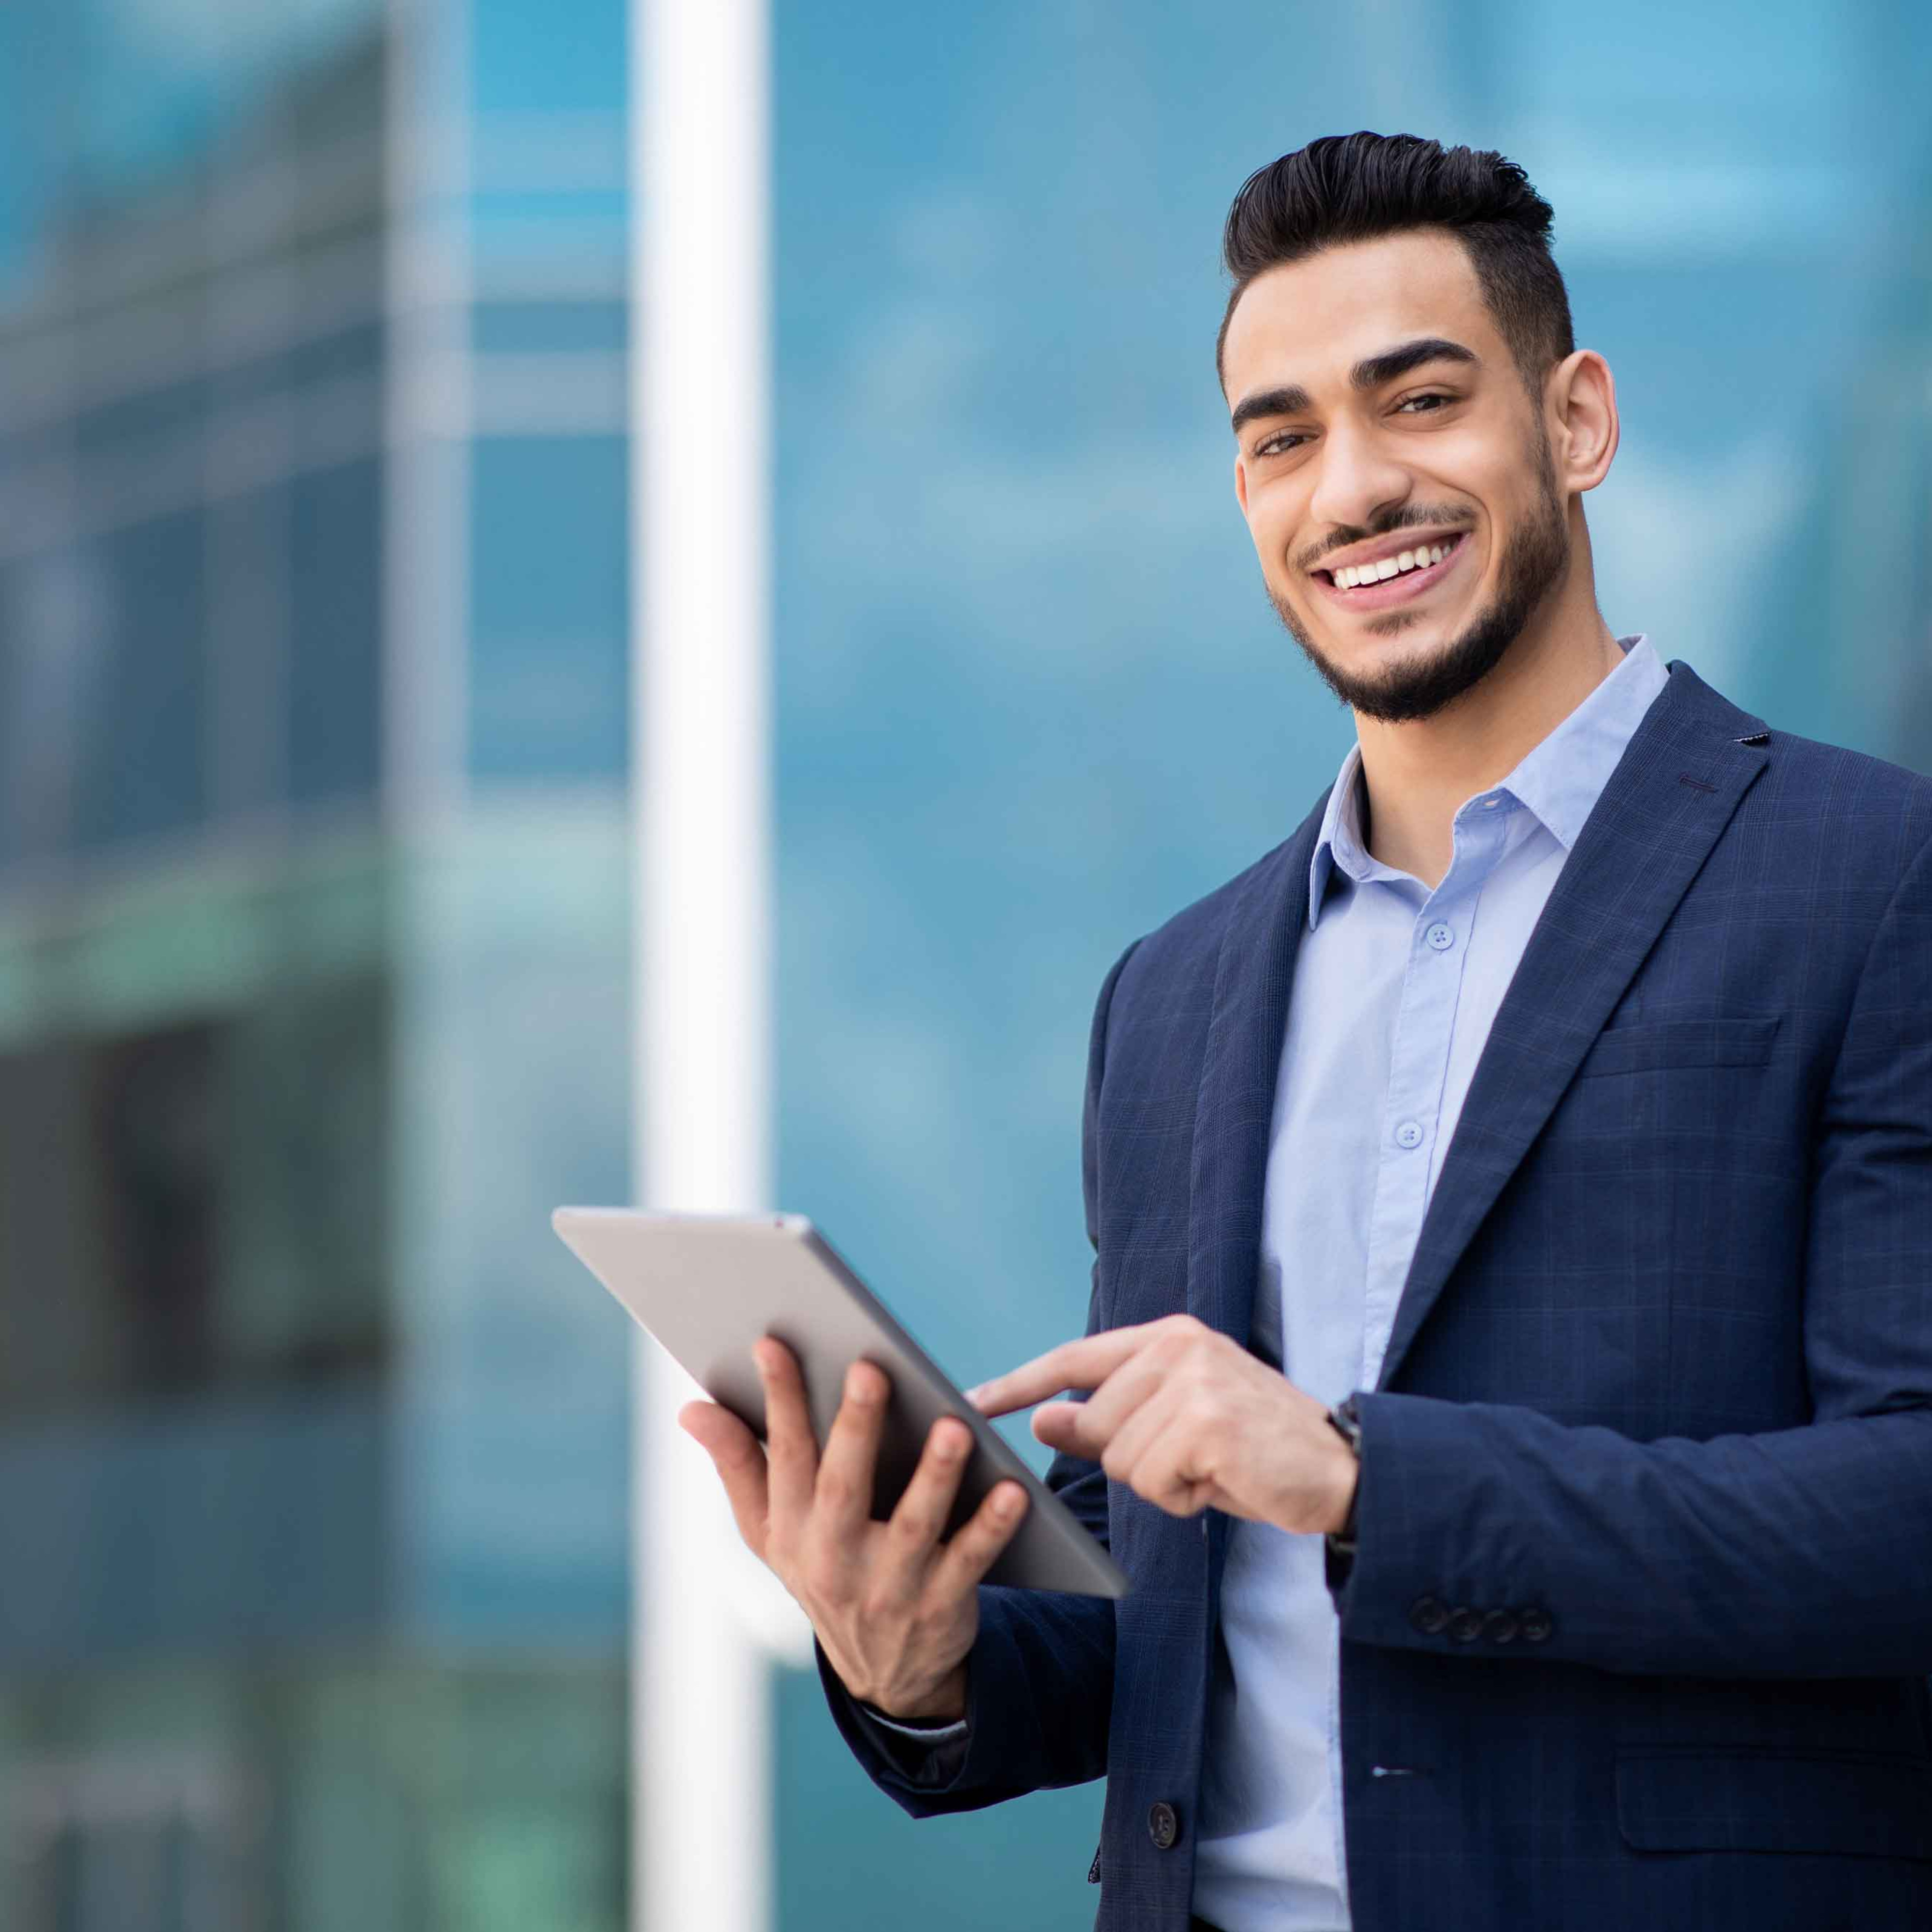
<point>312,1592</point>
<point>312,821</point>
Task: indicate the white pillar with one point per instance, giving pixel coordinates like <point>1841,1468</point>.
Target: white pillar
<point>705,1617</point>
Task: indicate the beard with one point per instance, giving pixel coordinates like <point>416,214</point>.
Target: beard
<point>1533,562</point>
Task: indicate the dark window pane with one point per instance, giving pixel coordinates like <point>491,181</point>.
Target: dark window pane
<point>198,1206</point>
<point>335,593</point>
<point>143,762</point>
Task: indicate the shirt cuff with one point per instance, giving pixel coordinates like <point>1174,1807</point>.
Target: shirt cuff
<point>927,1734</point>
<point>926,1756</point>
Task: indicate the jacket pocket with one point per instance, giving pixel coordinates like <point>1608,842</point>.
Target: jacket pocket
<point>1855,1804</point>
<point>1646,1045</point>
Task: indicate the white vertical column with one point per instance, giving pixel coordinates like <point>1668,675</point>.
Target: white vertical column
<point>704,1620</point>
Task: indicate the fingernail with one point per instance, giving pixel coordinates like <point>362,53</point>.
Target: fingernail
<point>1007,1503</point>
<point>974,1393</point>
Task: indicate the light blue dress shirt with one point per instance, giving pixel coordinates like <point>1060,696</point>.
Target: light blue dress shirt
<point>1395,989</point>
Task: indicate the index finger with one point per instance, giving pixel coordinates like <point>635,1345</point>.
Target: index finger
<point>791,1449</point>
<point>1084,1364</point>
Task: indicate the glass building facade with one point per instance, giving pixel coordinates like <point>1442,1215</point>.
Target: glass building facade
<point>314,839</point>
<point>312,1484</point>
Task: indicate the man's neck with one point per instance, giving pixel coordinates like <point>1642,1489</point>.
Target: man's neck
<point>1415,775</point>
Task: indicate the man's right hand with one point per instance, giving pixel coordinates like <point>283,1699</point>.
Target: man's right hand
<point>896,1610</point>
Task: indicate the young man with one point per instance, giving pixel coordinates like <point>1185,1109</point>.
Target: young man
<point>1511,1337</point>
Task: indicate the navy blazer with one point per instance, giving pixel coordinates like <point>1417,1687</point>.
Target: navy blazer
<point>1660,1389</point>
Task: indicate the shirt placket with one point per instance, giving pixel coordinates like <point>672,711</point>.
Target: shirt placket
<point>1432,983</point>
<point>1418,1073</point>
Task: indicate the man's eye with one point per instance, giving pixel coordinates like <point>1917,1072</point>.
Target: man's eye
<point>1275,445</point>
<point>1433,399</point>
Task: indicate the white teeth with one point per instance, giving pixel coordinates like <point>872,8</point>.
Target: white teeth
<point>1382,571</point>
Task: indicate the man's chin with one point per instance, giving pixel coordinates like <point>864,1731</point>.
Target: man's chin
<point>1406,668</point>
<point>1366,648</point>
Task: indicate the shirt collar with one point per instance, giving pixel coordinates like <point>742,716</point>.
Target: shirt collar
<point>1559,780</point>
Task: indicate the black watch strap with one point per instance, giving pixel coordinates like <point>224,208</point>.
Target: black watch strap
<point>1346,1421</point>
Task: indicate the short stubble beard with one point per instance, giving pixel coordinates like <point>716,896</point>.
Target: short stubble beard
<point>1534,561</point>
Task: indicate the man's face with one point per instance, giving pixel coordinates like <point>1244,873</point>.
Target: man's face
<point>1379,417</point>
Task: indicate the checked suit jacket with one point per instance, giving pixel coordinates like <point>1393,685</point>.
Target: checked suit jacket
<point>1659,1388</point>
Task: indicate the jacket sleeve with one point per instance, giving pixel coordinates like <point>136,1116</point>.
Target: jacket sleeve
<point>1039,1677</point>
<point>1803,1553</point>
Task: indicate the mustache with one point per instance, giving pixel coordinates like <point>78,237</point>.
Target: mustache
<point>1413,517</point>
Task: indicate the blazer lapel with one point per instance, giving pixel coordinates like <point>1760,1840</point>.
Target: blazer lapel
<point>1672,794</point>
<point>1235,1106</point>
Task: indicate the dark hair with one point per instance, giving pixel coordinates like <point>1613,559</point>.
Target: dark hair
<point>1356,187</point>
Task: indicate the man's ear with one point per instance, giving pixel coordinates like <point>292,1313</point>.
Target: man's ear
<point>1241,482</point>
<point>1584,429</point>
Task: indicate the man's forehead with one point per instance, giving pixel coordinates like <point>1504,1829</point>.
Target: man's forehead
<point>1310,322</point>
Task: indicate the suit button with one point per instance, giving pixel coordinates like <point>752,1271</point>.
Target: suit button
<point>1163,1826</point>
<point>1499,1626</point>
<point>1466,1625</point>
<point>1428,1615</point>
<point>1536,1624</point>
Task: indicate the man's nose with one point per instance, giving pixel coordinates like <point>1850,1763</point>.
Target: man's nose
<point>1358,481</point>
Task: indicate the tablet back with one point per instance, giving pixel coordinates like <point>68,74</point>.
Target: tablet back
<point>708,1286</point>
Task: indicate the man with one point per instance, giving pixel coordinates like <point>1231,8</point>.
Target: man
<point>1511,1347</point>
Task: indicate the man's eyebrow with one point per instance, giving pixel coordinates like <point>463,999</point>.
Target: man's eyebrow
<point>1291,400</point>
<point>1371,373</point>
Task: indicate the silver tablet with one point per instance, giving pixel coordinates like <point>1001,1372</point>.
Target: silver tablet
<point>708,1285</point>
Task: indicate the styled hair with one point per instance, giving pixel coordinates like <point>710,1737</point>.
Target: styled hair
<point>1358,187</point>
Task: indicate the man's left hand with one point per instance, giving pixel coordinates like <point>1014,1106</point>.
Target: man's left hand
<point>1189,1421</point>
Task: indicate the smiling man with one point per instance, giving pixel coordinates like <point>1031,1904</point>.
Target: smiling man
<point>1508,1376</point>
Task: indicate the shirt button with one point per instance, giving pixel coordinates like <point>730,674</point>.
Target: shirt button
<point>1408,1134</point>
<point>1439,936</point>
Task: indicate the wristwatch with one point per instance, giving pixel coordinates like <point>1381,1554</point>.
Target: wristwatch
<point>1346,1421</point>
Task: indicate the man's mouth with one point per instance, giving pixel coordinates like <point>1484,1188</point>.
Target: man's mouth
<point>1392,578</point>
